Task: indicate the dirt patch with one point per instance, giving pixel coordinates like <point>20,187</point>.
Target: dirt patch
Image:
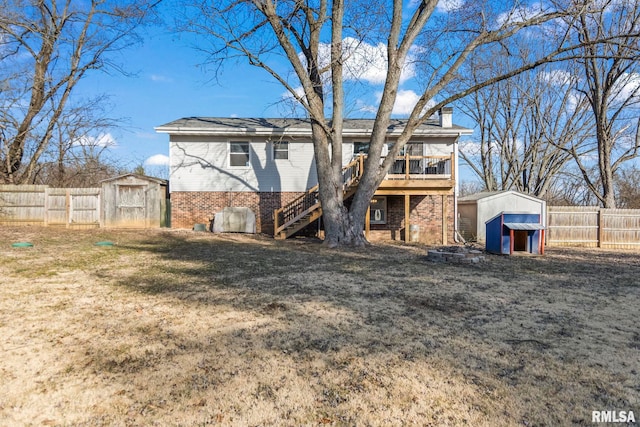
<point>187,328</point>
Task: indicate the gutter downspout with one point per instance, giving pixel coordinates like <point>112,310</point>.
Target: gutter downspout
<point>455,192</point>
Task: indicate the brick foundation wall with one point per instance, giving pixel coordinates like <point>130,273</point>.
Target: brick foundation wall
<point>426,212</point>
<point>189,208</point>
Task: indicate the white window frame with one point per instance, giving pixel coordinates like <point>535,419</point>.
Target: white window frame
<point>281,147</point>
<point>246,165</point>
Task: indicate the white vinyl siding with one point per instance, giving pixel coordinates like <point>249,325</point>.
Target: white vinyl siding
<point>201,163</point>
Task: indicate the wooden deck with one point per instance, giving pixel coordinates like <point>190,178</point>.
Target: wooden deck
<point>409,176</point>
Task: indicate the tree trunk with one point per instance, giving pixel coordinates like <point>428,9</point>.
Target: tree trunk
<point>606,179</point>
<point>342,228</point>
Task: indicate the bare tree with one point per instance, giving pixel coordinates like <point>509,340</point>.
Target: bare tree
<point>467,188</point>
<point>570,189</point>
<point>46,48</point>
<point>266,31</point>
<point>610,82</point>
<point>79,145</point>
<point>525,126</point>
<point>628,188</point>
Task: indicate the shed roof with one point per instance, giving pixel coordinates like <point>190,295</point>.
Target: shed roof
<point>489,194</point>
<point>135,175</point>
<point>523,226</point>
<point>293,126</point>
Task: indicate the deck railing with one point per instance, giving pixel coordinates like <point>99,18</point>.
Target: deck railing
<point>422,167</point>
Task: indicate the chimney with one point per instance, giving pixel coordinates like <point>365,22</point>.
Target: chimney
<point>446,117</point>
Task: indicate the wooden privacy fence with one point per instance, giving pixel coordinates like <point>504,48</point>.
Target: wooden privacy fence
<point>593,227</point>
<point>42,205</point>
<point>133,201</point>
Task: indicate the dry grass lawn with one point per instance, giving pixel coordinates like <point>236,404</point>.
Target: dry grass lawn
<point>184,328</point>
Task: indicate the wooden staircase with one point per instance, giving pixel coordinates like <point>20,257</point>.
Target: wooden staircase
<point>306,209</point>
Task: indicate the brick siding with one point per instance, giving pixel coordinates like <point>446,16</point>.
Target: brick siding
<point>190,208</point>
<point>426,213</point>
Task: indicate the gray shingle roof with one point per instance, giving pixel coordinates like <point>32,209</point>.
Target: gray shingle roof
<point>286,125</point>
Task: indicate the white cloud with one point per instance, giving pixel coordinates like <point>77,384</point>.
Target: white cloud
<point>289,96</point>
<point>364,61</point>
<point>519,14</point>
<point>574,99</point>
<point>469,147</point>
<point>449,5</point>
<point>101,140</point>
<point>557,77</point>
<point>157,160</point>
<point>627,87</point>
<point>406,100</point>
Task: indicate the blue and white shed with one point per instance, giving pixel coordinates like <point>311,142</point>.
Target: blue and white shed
<point>476,209</point>
<point>509,232</point>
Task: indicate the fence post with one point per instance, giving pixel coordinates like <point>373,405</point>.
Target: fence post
<point>67,206</point>
<point>600,228</point>
<point>45,220</point>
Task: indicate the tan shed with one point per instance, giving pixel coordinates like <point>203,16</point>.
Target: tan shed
<point>134,201</point>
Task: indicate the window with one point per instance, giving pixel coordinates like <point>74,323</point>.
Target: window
<point>378,208</point>
<point>360,148</point>
<point>239,154</point>
<point>412,149</point>
<point>280,150</point>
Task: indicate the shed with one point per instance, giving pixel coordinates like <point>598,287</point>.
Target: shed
<point>134,201</point>
<point>476,209</point>
<point>510,232</point>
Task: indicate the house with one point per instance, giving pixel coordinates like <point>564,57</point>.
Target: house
<point>268,166</point>
<point>476,209</point>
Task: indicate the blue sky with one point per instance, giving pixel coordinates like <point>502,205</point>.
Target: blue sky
<point>168,83</point>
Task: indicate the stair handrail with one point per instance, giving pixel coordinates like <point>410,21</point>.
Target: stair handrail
<point>309,201</point>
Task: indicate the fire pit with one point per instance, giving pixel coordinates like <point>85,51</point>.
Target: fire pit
<point>456,255</point>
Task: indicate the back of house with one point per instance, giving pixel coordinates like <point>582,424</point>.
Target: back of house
<point>264,164</point>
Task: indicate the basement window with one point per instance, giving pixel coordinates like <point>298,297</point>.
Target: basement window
<point>378,209</point>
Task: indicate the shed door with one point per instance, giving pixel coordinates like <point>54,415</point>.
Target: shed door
<point>131,206</point>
